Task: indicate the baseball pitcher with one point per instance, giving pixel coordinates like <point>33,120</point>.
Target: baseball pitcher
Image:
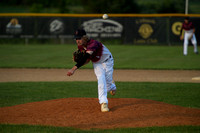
<point>102,59</point>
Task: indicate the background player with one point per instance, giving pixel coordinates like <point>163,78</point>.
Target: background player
<point>102,62</point>
<point>188,35</point>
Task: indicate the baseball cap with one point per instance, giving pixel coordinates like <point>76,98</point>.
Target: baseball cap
<point>79,33</point>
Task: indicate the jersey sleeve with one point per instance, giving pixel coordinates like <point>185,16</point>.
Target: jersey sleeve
<point>92,47</point>
<point>96,48</point>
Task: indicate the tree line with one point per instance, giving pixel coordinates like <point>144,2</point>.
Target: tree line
<point>98,6</point>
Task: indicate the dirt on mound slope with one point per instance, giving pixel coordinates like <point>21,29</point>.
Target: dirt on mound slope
<point>84,113</point>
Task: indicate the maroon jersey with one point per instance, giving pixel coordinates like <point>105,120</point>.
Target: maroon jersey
<point>94,46</point>
<point>187,26</point>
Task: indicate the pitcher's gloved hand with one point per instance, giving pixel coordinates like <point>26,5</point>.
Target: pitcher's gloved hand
<point>77,55</point>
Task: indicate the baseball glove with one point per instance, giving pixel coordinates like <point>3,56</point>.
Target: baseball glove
<point>77,55</point>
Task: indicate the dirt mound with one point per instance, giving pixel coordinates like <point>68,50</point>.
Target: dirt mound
<point>84,113</point>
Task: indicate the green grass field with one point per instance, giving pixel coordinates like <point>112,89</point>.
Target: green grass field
<point>183,94</point>
<point>47,129</point>
<point>126,57</point>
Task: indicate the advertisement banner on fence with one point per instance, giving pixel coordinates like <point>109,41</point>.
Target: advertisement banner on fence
<point>149,31</point>
<point>55,27</point>
<point>130,30</point>
<point>103,28</point>
<point>17,27</point>
<point>175,28</point>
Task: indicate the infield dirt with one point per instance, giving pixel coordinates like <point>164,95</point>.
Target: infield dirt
<point>17,75</point>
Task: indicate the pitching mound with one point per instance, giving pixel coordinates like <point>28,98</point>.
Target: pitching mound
<point>84,113</point>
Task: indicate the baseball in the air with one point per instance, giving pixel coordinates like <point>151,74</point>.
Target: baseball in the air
<point>105,16</point>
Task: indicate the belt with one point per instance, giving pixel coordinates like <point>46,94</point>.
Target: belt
<point>108,58</point>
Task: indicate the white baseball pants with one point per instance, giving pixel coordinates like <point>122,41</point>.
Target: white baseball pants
<point>104,74</point>
<point>187,36</point>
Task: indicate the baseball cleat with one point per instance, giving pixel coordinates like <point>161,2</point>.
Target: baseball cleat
<point>104,107</point>
<point>113,92</point>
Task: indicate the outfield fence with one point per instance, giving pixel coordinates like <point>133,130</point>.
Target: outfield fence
<point>128,28</point>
